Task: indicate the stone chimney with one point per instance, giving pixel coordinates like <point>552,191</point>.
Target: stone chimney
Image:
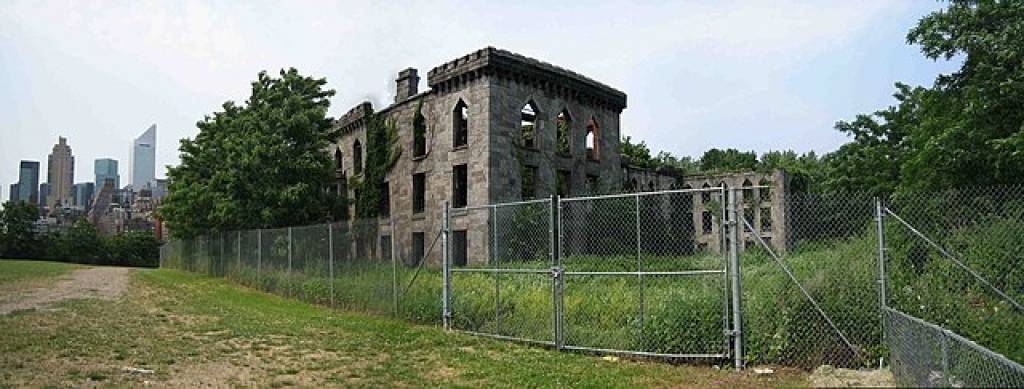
<point>407,85</point>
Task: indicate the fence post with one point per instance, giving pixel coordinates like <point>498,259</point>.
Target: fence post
<point>394,271</point>
<point>880,224</point>
<point>446,294</point>
<point>259,258</point>
<point>330,259</point>
<point>557,282</point>
<point>289,290</point>
<point>734,259</point>
<point>238,251</point>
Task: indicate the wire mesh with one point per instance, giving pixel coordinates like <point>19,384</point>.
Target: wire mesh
<point>810,284</point>
<point>646,273</point>
<point>638,277</point>
<point>501,278</point>
<point>352,265</point>
<point>954,262</point>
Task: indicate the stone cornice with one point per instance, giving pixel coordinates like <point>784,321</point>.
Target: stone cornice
<point>490,61</point>
<point>355,118</point>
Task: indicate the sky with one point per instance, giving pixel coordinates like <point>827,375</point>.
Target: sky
<point>753,75</point>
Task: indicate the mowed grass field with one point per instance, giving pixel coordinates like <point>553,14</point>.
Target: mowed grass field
<point>192,330</point>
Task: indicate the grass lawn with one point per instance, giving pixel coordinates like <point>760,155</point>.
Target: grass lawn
<point>20,275</point>
<point>194,330</point>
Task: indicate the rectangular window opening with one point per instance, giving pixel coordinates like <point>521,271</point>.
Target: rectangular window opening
<point>385,199</point>
<point>528,180</point>
<point>707,222</point>
<point>766,219</point>
<point>417,248</point>
<point>460,189</point>
<point>459,248</point>
<point>419,192</point>
<point>563,184</point>
<point>385,247</point>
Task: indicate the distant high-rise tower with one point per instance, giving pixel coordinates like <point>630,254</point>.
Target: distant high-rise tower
<point>28,182</point>
<point>105,168</point>
<point>84,192</point>
<point>144,160</point>
<point>60,173</point>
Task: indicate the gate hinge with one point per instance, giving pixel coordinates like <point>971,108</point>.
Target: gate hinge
<point>732,333</point>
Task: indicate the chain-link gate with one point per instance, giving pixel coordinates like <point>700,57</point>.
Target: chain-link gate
<point>645,273</point>
<point>642,274</point>
<point>502,276</point>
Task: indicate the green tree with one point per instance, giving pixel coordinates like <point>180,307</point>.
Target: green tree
<point>967,129</point>
<point>19,241</point>
<point>638,153</point>
<point>257,165</point>
<point>83,243</point>
<point>730,160</point>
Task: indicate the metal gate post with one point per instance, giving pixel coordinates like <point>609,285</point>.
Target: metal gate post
<point>557,280</point>
<point>259,258</point>
<point>446,294</point>
<point>734,259</point>
<point>330,261</point>
<point>289,262</point>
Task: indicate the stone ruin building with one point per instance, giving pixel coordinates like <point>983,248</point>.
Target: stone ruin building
<point>498,127</point>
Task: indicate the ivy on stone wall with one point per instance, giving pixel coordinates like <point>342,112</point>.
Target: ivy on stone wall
<point>382,152</point>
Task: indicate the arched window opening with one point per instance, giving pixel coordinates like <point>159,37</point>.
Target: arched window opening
<point>460,124</point>
<point>357,157</point>
<point>338,165</point>
<point>564,126</point>
<point>748,192</point>
<point>528,125</point>
<point>593,141</point>
<point>705,195</point>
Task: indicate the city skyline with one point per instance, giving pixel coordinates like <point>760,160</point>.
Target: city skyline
<point>102,167</point>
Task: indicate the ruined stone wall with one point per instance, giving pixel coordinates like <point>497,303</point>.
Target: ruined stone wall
<point>766,207</point>
<point>494,85</point>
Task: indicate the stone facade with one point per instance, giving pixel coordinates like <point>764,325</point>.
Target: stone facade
<point>494,86</point>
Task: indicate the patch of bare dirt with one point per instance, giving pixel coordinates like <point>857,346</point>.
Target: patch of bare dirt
<point>828,376</point>
<point>107,283</point>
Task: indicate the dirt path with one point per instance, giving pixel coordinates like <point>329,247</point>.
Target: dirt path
<point>107,283</point>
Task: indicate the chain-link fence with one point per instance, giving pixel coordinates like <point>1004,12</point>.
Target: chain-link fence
<point>653,274</point>
<point>953,272</point>
<point>351,265</point>
<point>810,294</point>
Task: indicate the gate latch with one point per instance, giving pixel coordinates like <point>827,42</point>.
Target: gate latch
<point>556,272</point>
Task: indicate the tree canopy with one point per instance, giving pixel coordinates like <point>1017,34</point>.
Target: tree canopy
<point>262,164</point>
<point>965,130</point>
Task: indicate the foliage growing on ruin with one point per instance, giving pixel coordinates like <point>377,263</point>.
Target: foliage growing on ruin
<point>419,130</point>
<point>260,164</point>
<point>382,152</point>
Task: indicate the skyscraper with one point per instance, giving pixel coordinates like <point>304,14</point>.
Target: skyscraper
<point>106,168</point>
<point>83,195</point>
<point>144,160</point>
<point>28,181</point>
<point>60,172</point>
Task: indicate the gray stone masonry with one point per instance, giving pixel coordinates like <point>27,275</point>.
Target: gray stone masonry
<point>494,85</point>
